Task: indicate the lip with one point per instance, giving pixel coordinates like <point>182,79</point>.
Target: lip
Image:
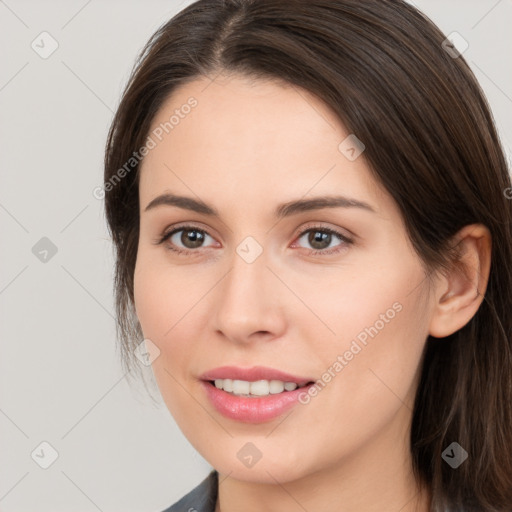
<point>253,374</point>
<point>253,410</point>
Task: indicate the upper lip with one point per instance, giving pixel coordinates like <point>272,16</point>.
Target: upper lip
<point>253,374</point>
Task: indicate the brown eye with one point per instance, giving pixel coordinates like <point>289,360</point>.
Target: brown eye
<point>185,238</point>
<point>320,240</point>
<point>191,238</point>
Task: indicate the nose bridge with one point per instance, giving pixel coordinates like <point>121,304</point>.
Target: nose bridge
<point>244,286</point>
<point>246,300</point>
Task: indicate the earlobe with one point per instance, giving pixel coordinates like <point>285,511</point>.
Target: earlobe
<point>461,289</point>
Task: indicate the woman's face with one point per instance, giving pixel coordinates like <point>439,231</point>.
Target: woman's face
<point>252,288</point>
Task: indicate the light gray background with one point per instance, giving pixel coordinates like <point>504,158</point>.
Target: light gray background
<point>60,377</point>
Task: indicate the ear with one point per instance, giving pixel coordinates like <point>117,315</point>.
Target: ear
<point>461,290</point>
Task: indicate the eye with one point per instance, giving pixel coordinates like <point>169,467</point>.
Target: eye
<point>320,239</point>
<point>190,238</point>
<point>186,239</point>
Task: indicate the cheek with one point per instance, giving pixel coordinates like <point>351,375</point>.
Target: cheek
<point>379,319</point>
<point>363,300</point>
<point>378,377</point>
<point>166,300</point>
<point>163,294</point>
<point>147,302</point>
<point>380,380</point>
<point>157,305</point>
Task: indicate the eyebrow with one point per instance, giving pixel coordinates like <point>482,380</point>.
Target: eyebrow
<point>283,210</point>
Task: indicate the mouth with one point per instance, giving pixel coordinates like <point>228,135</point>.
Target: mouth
<point>225,375</point>
<point>265,401</point>
<point>256,389</point>
<point>253,395</point>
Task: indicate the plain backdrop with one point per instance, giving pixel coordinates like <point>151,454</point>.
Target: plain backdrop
<point>61,383</point>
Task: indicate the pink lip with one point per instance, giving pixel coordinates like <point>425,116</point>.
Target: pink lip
<point>253,374</point>
<point>252,410</point>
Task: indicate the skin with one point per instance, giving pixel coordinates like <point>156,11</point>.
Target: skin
<point>245,148</point>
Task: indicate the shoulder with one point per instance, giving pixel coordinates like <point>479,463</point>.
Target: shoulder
<point>202,498</point>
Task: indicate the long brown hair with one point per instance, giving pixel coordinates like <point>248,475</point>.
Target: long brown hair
<point>430,141</point>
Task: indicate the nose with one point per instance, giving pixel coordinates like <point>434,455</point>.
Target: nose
<point>249,302</point>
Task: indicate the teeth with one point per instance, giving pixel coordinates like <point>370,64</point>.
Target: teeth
<point>257,388</point>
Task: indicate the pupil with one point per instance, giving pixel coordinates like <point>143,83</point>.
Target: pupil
<point>316,238</point>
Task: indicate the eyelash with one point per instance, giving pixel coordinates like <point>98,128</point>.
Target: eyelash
<point>346,241</point>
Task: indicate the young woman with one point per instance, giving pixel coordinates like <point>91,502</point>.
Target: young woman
<point>313,229</point>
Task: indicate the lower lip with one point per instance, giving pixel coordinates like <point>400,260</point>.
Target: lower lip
<point>253,410</point>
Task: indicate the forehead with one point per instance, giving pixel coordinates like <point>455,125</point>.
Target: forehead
<point>243,135</point>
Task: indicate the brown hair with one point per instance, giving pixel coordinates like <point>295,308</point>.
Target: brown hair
<point>430,141</point>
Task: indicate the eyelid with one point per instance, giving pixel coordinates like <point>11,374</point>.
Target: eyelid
<point>193,225</point>
<point>343,232</point>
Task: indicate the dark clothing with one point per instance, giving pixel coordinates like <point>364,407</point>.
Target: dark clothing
<point>202,498</point>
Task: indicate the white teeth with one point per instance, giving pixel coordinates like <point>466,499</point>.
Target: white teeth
<point>227,385</point>
<point>276,386</point>
<point>241,387</point>
<point>257,388</point>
